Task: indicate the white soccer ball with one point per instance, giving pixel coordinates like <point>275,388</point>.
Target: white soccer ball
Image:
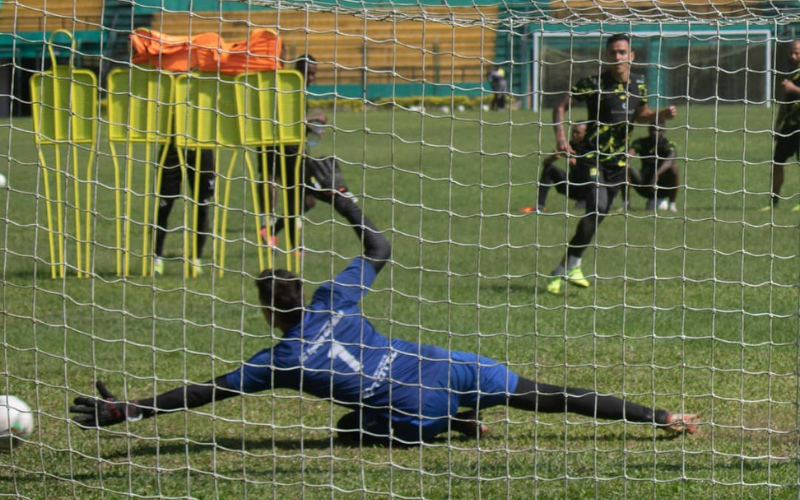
<point>461,108</point>
<point>16,421</point>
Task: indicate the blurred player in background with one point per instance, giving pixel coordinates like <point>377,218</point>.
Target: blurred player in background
<point>315,120</point>
<point>497,79</point>
<point>659,178</point>
<point>572,182</point>
<point>615,99</point>
<point>170,190</point>
<point>787,126</point>
<point>397,390</point>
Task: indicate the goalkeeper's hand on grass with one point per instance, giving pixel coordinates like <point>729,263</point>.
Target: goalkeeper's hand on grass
<point>96,412</point>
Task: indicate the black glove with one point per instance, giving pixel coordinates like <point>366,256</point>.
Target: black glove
<point>324,178</point>
<point>94,412</point>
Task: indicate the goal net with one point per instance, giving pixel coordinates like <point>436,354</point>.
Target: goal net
<point>145,187</point>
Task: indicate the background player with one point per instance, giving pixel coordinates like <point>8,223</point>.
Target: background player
<point>787,125</point>
<point>397,389</point>
<point>614,100</point>
<point>497,79</point>
<point>569,184</point>
<point>170,190</point>
<point>659,177</point>
<point>307,65</point>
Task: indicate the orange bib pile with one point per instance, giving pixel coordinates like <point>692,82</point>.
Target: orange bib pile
<point>207,52</point>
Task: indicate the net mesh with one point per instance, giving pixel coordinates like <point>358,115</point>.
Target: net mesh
<point>692,307</point>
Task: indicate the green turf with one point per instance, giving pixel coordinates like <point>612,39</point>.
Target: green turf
<point>694,310</point>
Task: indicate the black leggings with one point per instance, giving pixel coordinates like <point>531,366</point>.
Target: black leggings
<point>533,396</point>
<point>556,177</point>
<point>599,195</point>
<point>273,169</point>
<point>171,177</point>
<point>642,182</point>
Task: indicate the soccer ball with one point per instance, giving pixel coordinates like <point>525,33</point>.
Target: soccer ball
<point>16,421</point>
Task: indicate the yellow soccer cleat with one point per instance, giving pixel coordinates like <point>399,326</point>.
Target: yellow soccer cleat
<point>575,276</point>
<point>158,266</point>
<point>555,285</point>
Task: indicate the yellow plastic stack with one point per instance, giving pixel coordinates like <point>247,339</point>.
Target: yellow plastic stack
<point>64,102</point>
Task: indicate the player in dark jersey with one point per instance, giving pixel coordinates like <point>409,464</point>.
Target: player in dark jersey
<point>570,183</point>
<point>787,139</point>
<point>396,389</point>
<point>659,177</point>
<point>307,65</point>
<point>170,190</point>
<point>497,79</point>
<point>615,99</point>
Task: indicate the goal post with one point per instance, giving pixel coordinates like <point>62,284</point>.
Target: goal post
<point>667,56</point>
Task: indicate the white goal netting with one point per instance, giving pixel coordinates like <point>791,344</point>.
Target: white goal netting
<point>136,211</point>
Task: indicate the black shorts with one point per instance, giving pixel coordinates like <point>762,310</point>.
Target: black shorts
<point>787,144</point>
<point>606,180</point>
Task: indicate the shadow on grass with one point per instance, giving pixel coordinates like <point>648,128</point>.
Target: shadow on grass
<point>251,445</point>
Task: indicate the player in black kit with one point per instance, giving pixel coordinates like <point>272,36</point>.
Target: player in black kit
<point>615,99</point>
<point>570,182</point>
<point>659,177</point>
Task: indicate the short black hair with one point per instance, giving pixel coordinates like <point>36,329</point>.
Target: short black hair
<point>281,291</point>
<point>619,37</point>
<point>304,62</point>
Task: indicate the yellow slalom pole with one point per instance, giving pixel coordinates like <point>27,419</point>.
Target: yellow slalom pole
<point>49,211</point>
<point>219,252</point>
<point>89,214</point>
<point>196,211</point>
<point>78,233</point>
<point>251,174</point>
<point>148,155</point>
<point>298,195</point>
<point>117,206</point>
<point>128,203</point>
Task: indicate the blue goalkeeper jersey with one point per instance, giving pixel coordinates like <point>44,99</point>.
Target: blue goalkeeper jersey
<point>336,353</point>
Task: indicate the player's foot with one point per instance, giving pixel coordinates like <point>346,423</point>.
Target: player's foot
<point>197,266</point>
<point>768,208</point>
<point>673,207</point>
<point>527,210</point>
<point>680,423</point>
<point>580,204</point>
<point>272,241</point>
<point>650,205</point>
<point>555,285</point>
<point>575,277</point>
<point>663,204</point>
<point>158,266</point>
<point>467,423</point>
<point>796,208</point>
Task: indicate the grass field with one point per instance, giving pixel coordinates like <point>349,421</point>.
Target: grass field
<point>695,310</point>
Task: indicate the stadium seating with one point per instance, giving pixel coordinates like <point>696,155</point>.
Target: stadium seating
<point>456,51</point>
<point>668,8</point>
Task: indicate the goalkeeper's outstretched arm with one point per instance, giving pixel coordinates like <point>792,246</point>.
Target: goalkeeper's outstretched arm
<point>377,249</point>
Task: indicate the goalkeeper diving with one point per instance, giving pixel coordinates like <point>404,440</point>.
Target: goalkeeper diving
<point>396,390</point>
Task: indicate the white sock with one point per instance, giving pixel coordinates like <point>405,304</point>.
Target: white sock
<point>573,262</point>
